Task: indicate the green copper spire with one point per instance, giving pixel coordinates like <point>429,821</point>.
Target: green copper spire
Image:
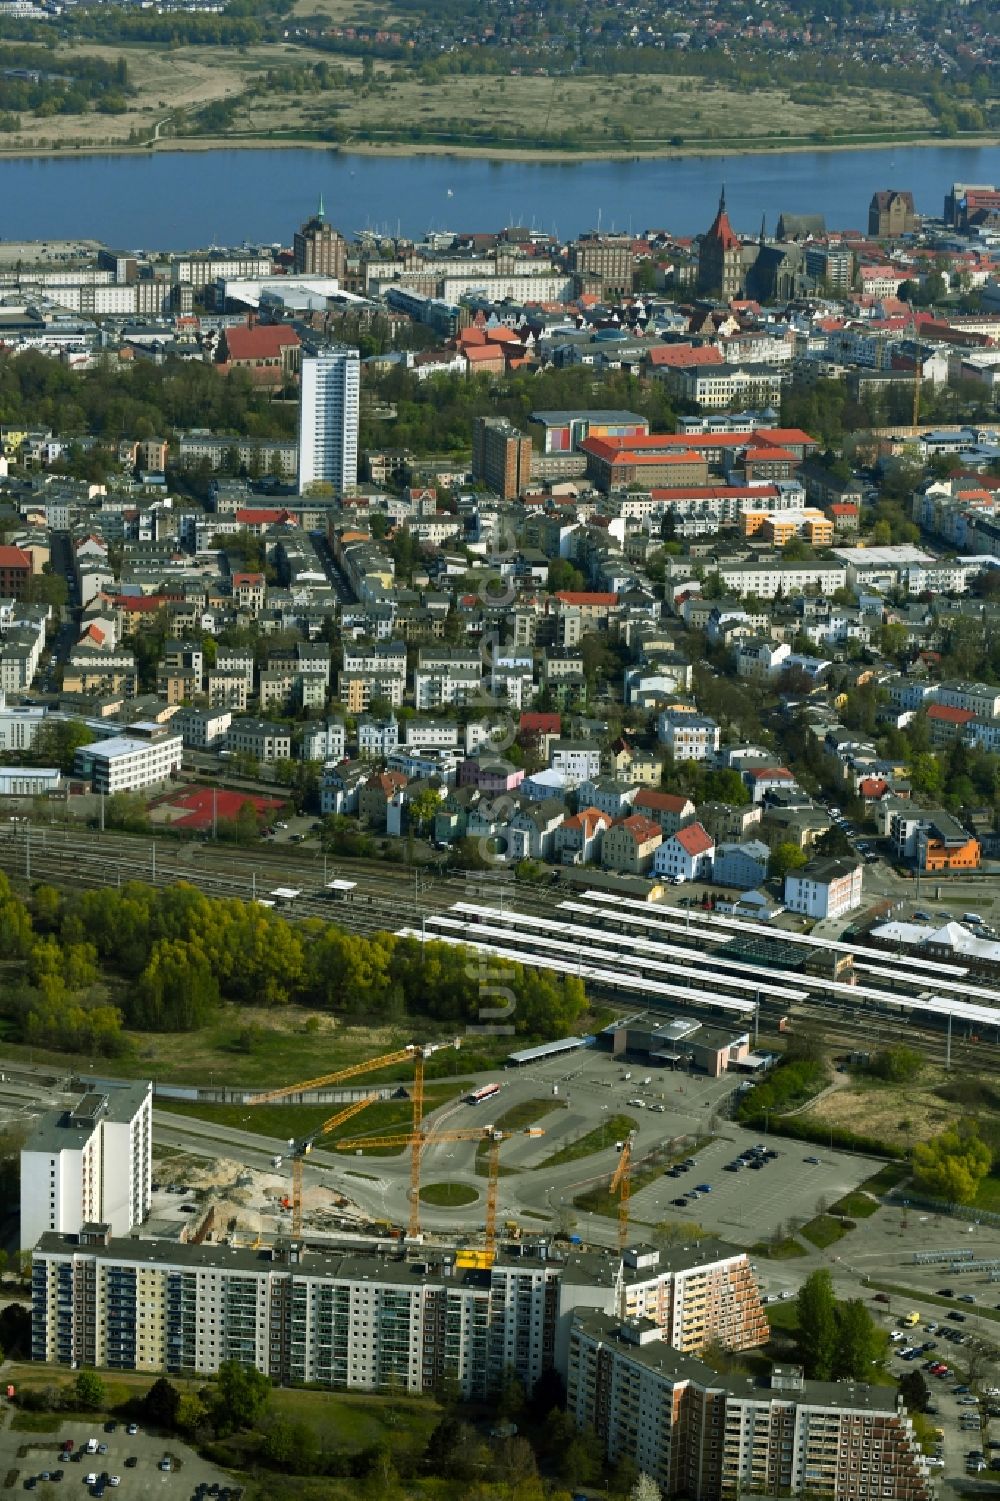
<point>320,212</point>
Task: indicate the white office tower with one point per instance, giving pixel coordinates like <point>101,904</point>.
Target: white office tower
<point>328,418</point>
<point>91,1163</point>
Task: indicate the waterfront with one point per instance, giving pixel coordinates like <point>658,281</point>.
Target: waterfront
<point>183,199</point>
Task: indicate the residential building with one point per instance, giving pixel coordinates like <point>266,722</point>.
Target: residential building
<point>377,738</point>
<point>90,1161</point>
<point>824,887</point>
<point>630,846</point>
<point>933,840</point>
<point>839,1440</point>
<point>531,832</point>
<point>607,795</point>
<point>578,839</point>
<point>146,755</point>
<point>226,690</point>
<point>406,1324</point>
<point>686,855</point>
<point>259,740</point>
<point>688,736</point>
<point>705,1436</point>
<point>501,456</point>
<point>324,740</point>
<point>741,865</point>
<point>202,729</point>
<point>670,810</point>
<point>15,571</point>
<point>578,760</point>
<point>329,407</point>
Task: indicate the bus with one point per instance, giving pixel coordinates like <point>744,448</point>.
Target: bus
<point>488,1092</point>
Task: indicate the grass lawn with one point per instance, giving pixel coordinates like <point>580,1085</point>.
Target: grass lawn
<point>823,1231</point>
<point>37,1422</point>
<point>856,1206</point>
<point>783,1315</point>
<point>615,1128</point>
<point>262,1048</point>
<point>779,1250</point>
<point>448,1195</point>
<point>517,1118</point>
<point>345,1420</point>
<point>384,1117</point>
<point>988,1196</point>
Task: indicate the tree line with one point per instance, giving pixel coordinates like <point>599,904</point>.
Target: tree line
<point>178,955</point>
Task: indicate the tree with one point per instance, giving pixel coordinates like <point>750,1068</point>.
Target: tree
<point>159,1405</point>
<point>242,1395</point>
<point>897,1064</point>
<point>88,1389</point>
<point>833,841</point>
<point>645,1489</point>
<point>785,857</point>
<point>423,807</point>
<point>858,1341</point>
<point>952,1164</point>
<point>816,1317</point>
<point>914,1391</point>
<point>57,742</point>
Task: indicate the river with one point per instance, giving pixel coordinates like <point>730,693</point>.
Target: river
<point>183,199</point>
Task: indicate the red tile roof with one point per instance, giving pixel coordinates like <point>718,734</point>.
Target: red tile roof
<point>771,773</point>
<point>684,356</point>
<point>539,724</point>
<point>13,557</point>
<point>694,839</point>
<point>263,342</point>
<point>948,715</point>
<point>662,802</point>
<point>582,597</point>
<point>642,829</point>
<point>252,516</point>
<point>484,354</point>
<point>873,787</point>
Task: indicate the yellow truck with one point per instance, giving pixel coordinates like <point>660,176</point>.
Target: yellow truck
<point>910,1319</point>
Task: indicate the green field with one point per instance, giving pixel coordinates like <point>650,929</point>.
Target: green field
<point>448,1195</point>
<point>288,1122</point>
<point>823,1231</point>
<point>614,1129</point>
<point>857,1205</point>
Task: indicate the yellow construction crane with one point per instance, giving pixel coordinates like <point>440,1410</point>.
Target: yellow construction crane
<point>418,1053</point>
<point>621,1183</point>
<point>418,1140</point>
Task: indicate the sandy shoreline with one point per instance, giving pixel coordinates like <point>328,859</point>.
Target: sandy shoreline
<point>174,144</point>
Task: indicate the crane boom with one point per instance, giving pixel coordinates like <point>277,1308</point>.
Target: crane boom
<point>401,1055</point>
<point>621,1182</point>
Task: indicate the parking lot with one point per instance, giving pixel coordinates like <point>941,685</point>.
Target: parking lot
<point>742,1206</point>
<point>965,1420</point>
<point>144,1478</point>
<point>793,1185</point>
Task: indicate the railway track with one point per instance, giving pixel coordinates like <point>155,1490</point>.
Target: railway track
<point>385,900</point>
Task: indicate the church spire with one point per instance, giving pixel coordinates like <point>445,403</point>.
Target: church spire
<point>320,212</point>
<point>763,229</point>
<point>722,199</point>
